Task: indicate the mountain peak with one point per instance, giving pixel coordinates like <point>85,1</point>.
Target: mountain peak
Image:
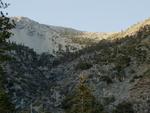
<point>19,18</point>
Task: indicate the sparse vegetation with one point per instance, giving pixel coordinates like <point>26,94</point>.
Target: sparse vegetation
<point>83,65</point>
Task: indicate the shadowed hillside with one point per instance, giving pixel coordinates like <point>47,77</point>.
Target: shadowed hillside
<point>115,72</point>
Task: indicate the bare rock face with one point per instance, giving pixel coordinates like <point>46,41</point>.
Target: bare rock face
<point>116,67</point>
<point>51,39</point>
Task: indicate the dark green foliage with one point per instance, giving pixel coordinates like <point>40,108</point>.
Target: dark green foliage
<point>123,60</point>
<point>82,65</point>
<point>5,26</point>
<point>5,105</point>
<point>82,101</point>
<point>108,100</point>
<point>107,79</point>
<point>124,107</point>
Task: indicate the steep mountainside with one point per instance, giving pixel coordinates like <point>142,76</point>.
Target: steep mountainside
<point>51,39</point>
<point>116,71</point>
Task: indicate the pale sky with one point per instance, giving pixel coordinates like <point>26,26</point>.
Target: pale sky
<point>86,15</point>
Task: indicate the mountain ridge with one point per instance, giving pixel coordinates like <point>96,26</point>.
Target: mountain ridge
<point>28,31</point>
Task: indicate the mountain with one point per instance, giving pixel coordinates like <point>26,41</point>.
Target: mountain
<point>115,68</point>
<point>51,39</point>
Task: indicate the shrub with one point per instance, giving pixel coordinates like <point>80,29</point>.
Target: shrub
<point>83,66</point>
<point>5,105</point>
<point>82,100</point>
<point>108,100</point>
<point>107,79</point>
<point>124,107</point>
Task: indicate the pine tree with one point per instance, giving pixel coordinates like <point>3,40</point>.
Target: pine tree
<point>82,100</point>
<point>5,26</point>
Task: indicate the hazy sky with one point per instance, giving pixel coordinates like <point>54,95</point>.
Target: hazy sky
<point>87,15</point>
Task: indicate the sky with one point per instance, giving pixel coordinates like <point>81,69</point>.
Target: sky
<point>85,15</point>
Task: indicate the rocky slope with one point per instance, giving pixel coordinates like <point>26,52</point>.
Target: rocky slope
<point>51,39</point>
<point>117,70</point>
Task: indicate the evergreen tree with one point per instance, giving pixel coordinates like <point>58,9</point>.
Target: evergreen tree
<point>82,100</point>
<point>5,26</point>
